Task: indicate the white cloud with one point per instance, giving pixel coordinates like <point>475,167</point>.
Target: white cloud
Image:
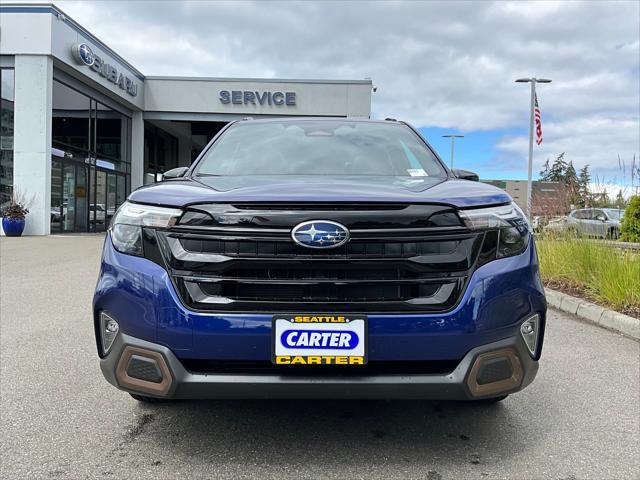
<point>596,140</point>
<point>444,64</point>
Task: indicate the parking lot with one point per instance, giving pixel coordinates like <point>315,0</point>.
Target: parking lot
<point>60,419</point>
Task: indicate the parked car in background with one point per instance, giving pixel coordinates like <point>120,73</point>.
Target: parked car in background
<point>536,224</point>
<point>97,213</point>
<point>59,213</point>
<point>55,214</point>
<point>595,222</point>
<point>556,225</point>
<point>111,211</point>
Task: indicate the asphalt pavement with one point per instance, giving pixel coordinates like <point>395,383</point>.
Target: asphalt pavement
<point>59,418</point>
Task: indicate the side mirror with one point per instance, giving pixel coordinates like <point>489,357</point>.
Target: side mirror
<point>465,175</point>
<point>602,218</point>
<point>175,173</point>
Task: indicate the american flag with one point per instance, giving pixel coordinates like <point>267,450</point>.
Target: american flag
<point>536,112</point>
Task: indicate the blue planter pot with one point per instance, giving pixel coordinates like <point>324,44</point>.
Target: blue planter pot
<point>13,227</point>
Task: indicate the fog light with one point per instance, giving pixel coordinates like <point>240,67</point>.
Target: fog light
<point>108,331</point>
<point>529,331</point>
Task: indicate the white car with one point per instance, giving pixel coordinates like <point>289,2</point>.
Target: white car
<point>595,222</point>
<point>97,213</point>
<point>535,224</point>
<point>556,225</point>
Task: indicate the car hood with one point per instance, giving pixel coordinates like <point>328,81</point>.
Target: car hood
<point>293,188</point>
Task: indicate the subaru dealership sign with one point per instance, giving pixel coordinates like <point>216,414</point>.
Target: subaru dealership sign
<point>84,55</point>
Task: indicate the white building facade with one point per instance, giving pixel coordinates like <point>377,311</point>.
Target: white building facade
<point>81,127</point>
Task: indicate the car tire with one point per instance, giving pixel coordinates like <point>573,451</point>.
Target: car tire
<point>613,234</point>
<point>145,399</point>
<point>573,232</point>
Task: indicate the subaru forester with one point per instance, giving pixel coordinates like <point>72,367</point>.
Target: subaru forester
<point>319,258</point>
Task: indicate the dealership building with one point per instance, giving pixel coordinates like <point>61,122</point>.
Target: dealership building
<point>81,127</point>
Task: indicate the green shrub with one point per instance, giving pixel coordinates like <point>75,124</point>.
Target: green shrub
<point>630,225</point>
<point>609,275</point>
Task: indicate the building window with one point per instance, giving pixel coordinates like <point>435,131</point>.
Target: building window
<point>90,169</point>
<point>160,153</point>
<point>7,90</point>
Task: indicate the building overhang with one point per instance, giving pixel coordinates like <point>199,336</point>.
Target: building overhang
<point>44,29</point>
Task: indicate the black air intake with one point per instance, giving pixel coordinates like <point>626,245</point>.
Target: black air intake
<point>144,368</point>
<point>494,370</point>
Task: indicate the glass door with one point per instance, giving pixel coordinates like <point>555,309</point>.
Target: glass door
<point>69,195</point>
<point>56,195</point>
<point>82,197</point>
<point>68,206</point>
<point>90,161</point>
<point>112,197</point>
<point>98,209</point>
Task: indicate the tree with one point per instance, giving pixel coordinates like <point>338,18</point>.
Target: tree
<point>558,170</point>
<point>570,176</point>
<point>545,171</point>
<point>630,224</point>
<point>572,183</point>
<point>583,186</point>
<point>601,199</point>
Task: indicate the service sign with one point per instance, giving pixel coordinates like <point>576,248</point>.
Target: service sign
<point>319,339</point>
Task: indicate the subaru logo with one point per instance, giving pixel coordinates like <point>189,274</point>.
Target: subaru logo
<point>320,234</point>
<point>83,54</point>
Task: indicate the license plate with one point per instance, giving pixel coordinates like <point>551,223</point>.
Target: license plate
<point>320,339</point>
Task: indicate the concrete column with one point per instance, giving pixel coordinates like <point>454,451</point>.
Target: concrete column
<point>137,150</point>
<point>32,138</point>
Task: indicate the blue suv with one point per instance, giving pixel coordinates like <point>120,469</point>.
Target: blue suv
<point>319,258</point>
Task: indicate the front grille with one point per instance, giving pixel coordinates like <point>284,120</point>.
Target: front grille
<point>427,367</point>
<point>242,258</point>
<point>283,249</point>
<point>330,291</point>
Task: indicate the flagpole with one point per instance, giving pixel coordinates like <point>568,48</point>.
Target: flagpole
<point>453,140</point>
<point>533,82</point>
<point>530,172</point>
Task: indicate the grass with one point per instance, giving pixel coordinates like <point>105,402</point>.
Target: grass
<point>608,275</point>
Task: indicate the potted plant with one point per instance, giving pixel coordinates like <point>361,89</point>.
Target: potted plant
<point>13,215</point>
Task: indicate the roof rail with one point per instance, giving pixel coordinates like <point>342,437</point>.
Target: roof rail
<point>389,119</point>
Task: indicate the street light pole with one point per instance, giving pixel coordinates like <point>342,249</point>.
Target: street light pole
<point>453,141</point>
<point>533,82</point>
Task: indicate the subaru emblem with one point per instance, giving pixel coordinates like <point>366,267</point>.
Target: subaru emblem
<point>320,234</point>
<point>83,54</point>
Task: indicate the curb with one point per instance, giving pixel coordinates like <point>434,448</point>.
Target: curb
<point>593,313</point>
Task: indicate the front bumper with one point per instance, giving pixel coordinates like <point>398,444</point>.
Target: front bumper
<point>139,294</point>
<point>460,384</point>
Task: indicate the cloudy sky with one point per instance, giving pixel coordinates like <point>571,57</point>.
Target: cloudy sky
<point>443,66</point>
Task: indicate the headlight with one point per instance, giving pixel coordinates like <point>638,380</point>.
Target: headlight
<point>126,226</point>
<point>508,220</point>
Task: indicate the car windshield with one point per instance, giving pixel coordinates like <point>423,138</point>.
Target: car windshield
<point>614,214</point>
<point>308,147</point>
